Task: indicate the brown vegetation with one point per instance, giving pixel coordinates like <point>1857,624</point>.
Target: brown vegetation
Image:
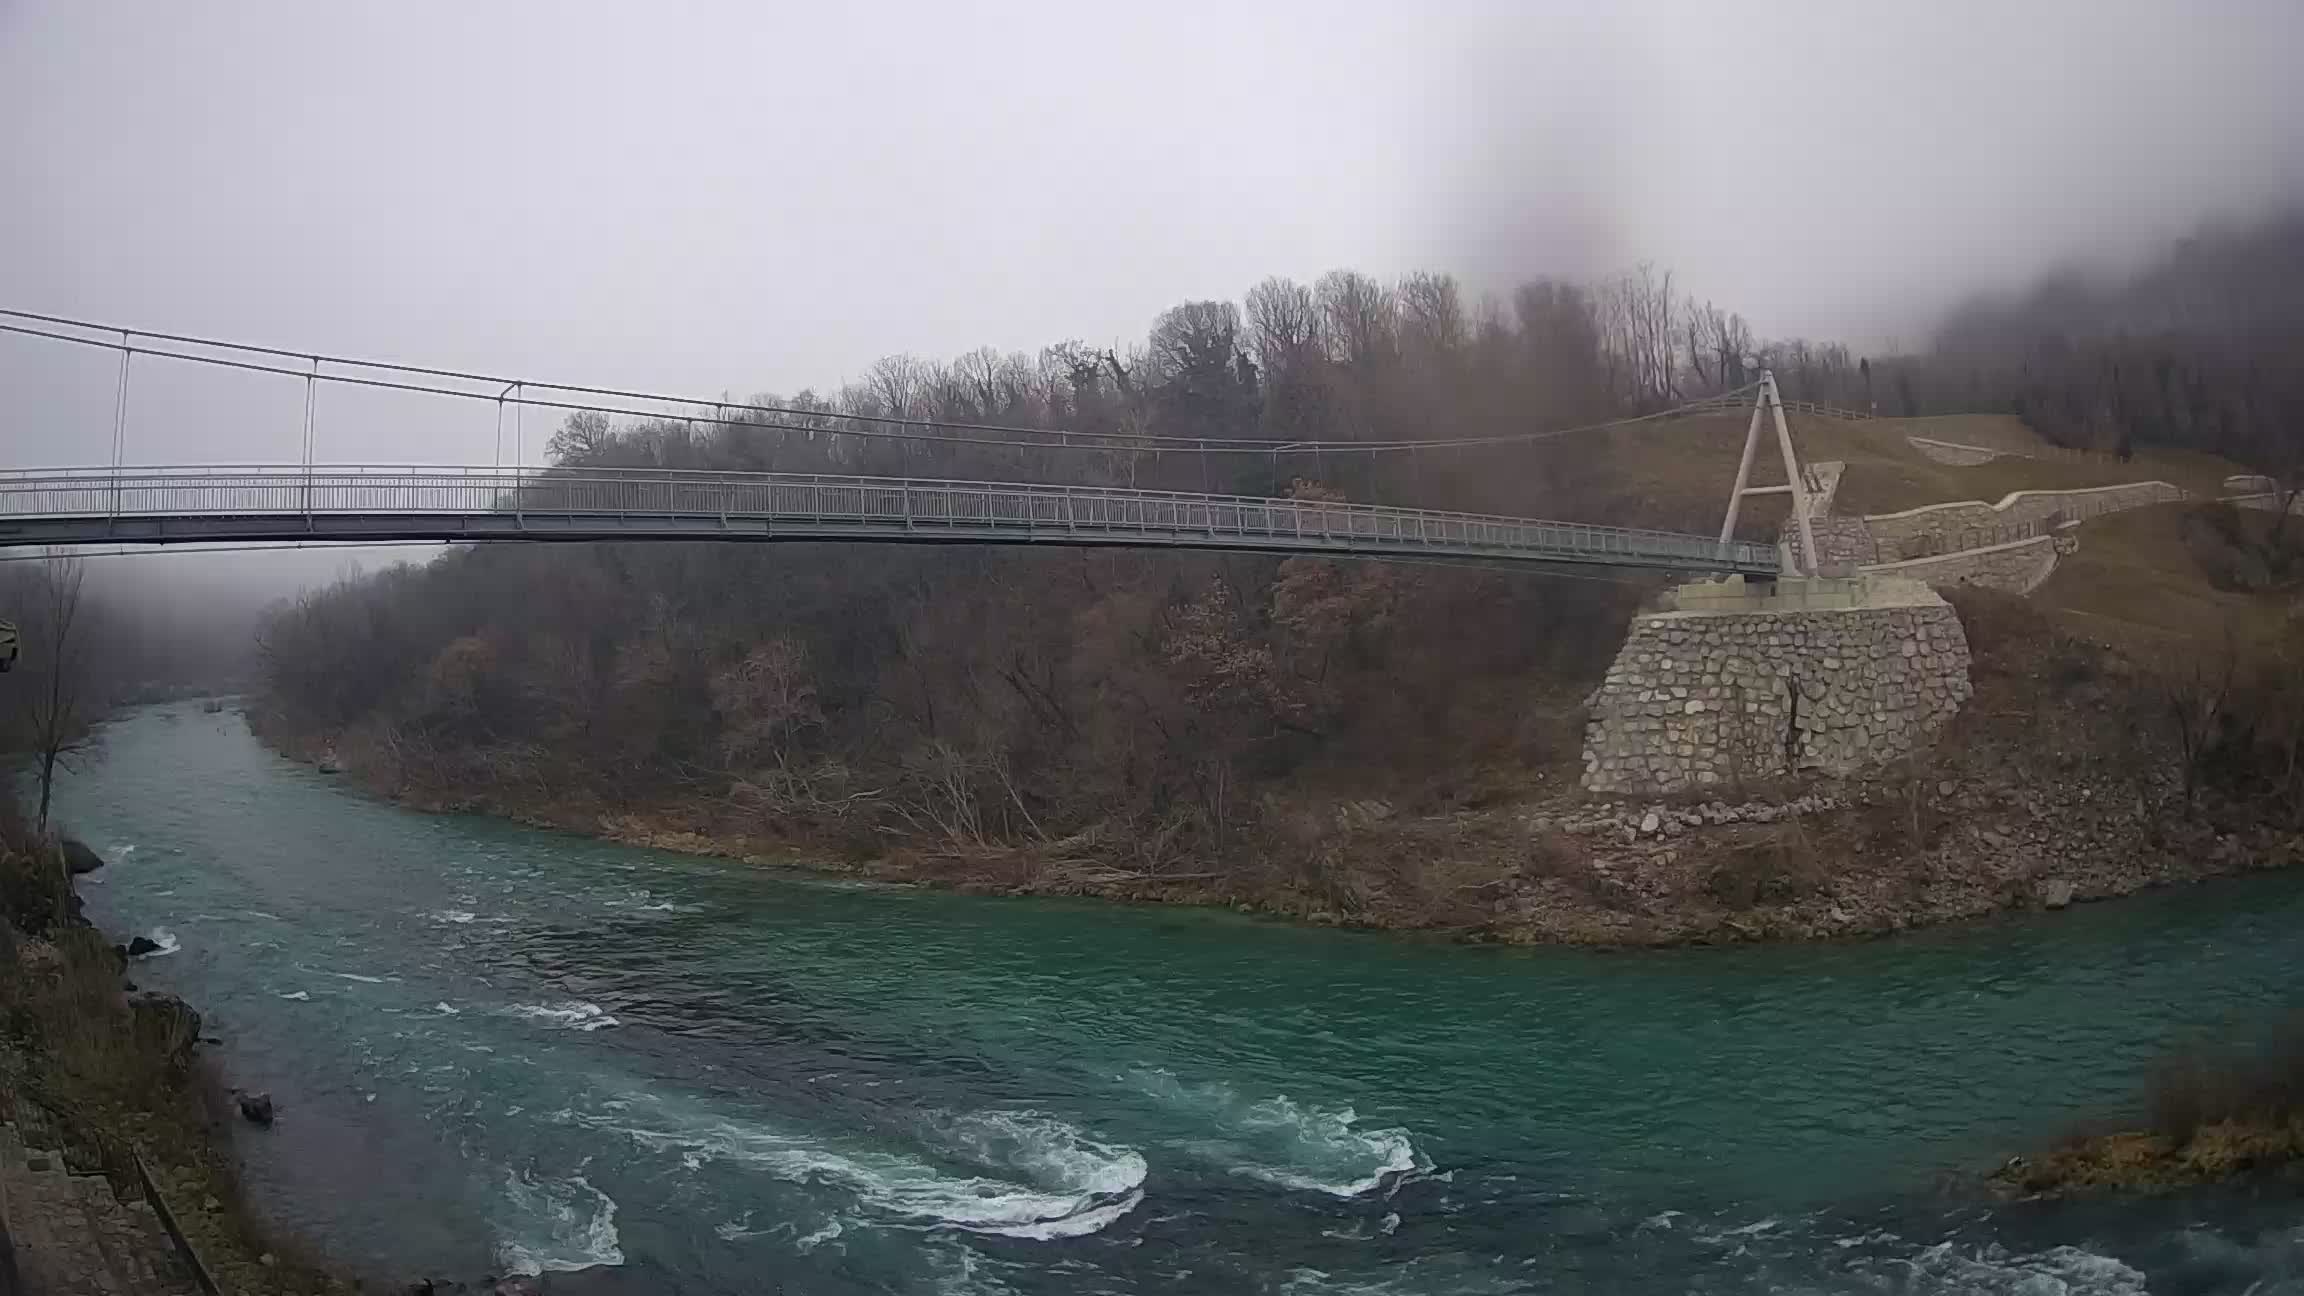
<point>2208,1116</point>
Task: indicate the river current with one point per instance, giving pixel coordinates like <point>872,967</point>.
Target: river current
<point>499,1048</point>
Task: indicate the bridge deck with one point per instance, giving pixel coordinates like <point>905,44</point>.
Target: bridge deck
<point>277,503</point>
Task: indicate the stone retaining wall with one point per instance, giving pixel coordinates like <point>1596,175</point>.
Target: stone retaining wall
<point>1838,539</point>
<point>2268,502</point>
<point>2018,567</point>
<point>1696,699</point>
<point>1940,528</point>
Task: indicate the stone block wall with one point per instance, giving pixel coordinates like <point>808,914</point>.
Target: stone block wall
<point>1940,528</point>
<point>1702,698</point>
<point>2018,567</point>
<point>1838,540</point>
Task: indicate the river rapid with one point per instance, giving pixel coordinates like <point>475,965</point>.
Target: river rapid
<point>499,1048</point>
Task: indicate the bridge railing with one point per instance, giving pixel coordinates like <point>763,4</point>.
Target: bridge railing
<point>1743,405</point>
<point>877,505</point>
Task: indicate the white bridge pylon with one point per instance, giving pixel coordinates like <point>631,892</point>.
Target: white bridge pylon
<point>1766,402</point>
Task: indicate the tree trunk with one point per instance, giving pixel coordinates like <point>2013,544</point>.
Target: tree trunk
<point>47,783</point>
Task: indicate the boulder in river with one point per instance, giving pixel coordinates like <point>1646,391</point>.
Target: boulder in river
<point>257,1108</point>
<point>142,946</point>
<point>79,858</point>
<point>2056,893</point>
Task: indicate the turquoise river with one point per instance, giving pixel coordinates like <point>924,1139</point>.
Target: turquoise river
<point>497,1048</point>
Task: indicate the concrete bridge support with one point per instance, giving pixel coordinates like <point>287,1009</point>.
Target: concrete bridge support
<point>1733,682</point>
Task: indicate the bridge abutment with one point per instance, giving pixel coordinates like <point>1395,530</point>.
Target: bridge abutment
<point>1737,681</point>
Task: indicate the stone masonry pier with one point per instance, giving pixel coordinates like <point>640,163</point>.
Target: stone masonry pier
<point>1734,682</point>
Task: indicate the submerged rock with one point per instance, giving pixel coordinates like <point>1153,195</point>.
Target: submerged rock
<point>257,1108</point>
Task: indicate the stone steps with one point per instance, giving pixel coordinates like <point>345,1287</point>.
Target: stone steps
<point>72,1235</point>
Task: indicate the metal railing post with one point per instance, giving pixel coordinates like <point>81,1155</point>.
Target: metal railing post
<point>311,383</point>
<point>520,456</point>
<point>120,426</point>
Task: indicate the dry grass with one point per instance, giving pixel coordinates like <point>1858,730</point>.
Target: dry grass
<point>1676,474</point>
<point>2135,584</point>
<point>2208,1117</point>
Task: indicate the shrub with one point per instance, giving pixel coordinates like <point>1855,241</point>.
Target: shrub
<point>2262,1086</point>
<point>1779,867</point>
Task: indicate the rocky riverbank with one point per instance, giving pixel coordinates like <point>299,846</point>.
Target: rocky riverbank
<point>92,1067</point>
<point>99,1067</point>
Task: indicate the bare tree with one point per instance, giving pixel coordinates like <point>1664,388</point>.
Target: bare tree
<point>1283,325</point>
<point>56,704</point>
<point>2196,688</point>
<point>1639,324</point>
<point>582,438</point>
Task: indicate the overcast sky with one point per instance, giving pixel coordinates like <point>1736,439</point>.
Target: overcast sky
<point>743,197</point>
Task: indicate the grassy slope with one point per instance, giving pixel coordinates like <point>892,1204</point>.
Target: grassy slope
<point>1677,473</point>
<point>2133,582</point>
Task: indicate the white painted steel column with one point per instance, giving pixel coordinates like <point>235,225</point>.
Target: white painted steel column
<point>1792,474</point>
<point>1744,466</point>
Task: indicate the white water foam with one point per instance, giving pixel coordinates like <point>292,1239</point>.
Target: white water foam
<point>298,995</point>
<point>457,916</point>
<point>1041,1179</point>
<point>556,1224</point>
<point>1418,1276</point>
<point>830,1232</point>
<point>364,980</point>
<point>740,1230</point>
<point>959,1271</point>
<point>1291,1144</point>
<point>163,938</point>
<point>1993,1271</point>
<point>645,901</point>
<point>569,1015</point>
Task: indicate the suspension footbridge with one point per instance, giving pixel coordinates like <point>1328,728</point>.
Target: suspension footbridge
<point>311,501</point>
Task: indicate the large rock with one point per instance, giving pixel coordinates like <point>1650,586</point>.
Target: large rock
<point>166,1024</point>
<point>257,1108</point>
<point>79,858</point>
<point>2056,893</point>
<point>142,946</point>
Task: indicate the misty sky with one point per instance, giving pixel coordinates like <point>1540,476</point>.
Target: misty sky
<point>749,197</point>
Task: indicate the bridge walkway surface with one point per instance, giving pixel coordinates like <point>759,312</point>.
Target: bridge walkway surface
<point>175,504</point>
